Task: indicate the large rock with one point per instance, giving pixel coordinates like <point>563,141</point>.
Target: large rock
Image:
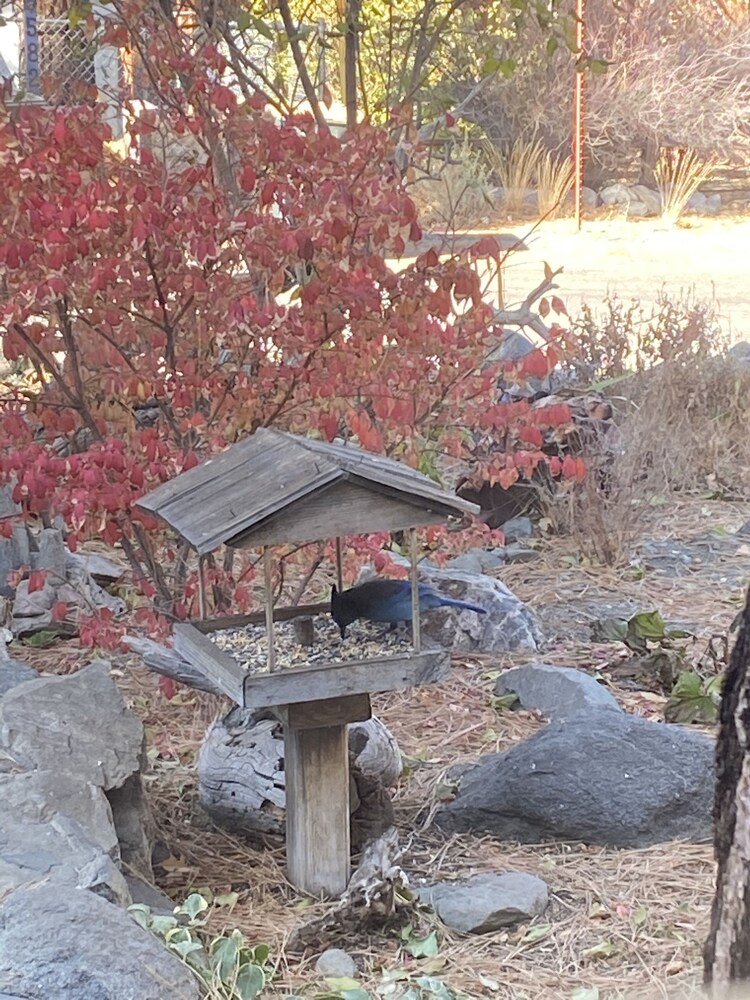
<point>740,353</point>
<point>488,901</point>
<point>75,724</point>
<point>78,725</point>
<point>53,826</point>
<point>648,197</point>
<point>508,624</point>
<point>558,692</point>
<point>14,672</point>
<point>602,777</point>
<point>73,945</point>
<point>616,194</point>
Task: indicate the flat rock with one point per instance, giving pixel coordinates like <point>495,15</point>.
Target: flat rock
<point>31,604</point>
<point>508,624</point>
<point>601,777</point>
<point>517,528</point>
<point>488,901</point>
<point>744,530</point>
<point>558,692</point>
<point>77,724</point>
<point>97,565</point>
<point>478,560</point>
<point>14,672</point>
<point>53,826</point>
<point>73,945</point>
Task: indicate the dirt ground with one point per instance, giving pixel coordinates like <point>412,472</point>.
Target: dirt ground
<point>703,257</point>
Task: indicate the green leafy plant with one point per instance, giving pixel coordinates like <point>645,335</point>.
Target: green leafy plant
<point>694,698</point>
<point>226,965</point>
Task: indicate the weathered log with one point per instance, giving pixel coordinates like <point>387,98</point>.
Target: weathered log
<point>242,779</point>
<point>168,663</point>
<point>727,951</point>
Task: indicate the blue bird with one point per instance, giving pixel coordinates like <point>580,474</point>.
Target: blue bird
<point>381,600</point>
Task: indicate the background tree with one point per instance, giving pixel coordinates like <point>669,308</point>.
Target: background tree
<point>727,953</point>
<point>151,317</point>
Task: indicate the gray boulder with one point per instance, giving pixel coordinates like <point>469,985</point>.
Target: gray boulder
<point>740,353</point>
<point>638,208</point>
<point>508,624</point>
<point>14,672</point>
<point>478,560</point>
<point>78,725</point>
<point>648,197</point>
<point>53,826</point>
<point>696,202</point>
<point>589,197</point>
<point>558,692</point>
<point>73,945</point>
<point>616,194</point>
<point>517,528</point>
<point>601,777</point>
<point>488,901</point>
<point>713,204</point>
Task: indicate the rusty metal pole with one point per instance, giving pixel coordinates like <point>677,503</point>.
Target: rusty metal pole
<point>578,136</point>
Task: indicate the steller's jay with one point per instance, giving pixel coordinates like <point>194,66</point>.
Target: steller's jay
<point>381,600</point>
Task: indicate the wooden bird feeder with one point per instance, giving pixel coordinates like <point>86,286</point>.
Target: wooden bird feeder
<point>271,489</point>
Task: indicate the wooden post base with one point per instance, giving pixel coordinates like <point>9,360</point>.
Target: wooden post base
<point>317,809</point>
<point>316,764</point>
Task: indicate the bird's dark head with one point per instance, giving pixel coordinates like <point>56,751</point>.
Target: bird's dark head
<point>340,611</point>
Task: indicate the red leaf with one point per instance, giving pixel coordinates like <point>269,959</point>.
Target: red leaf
<point>531,435</point>
<point>559,306</point>
<point>168,687</point>
<point>247,178</point>
<point>37,579</point>
<point>569,468</point>
<point>544,307</point>
<point>59,611</point>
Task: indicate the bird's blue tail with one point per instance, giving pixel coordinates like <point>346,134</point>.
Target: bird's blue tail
<point>453,603</point>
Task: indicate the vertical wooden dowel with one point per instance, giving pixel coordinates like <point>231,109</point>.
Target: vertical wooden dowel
<point>339,567</point>
<point>269,607</point>
<point>416,632</point>
<point>202,588</point>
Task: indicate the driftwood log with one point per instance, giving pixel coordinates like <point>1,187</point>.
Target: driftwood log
<point>727,952</point>
<point>241,777</point>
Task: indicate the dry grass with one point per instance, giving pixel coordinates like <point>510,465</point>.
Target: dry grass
<point>516,170</point>
<point>685,427</point>
<point>679,173</point>
<point>554,180</point>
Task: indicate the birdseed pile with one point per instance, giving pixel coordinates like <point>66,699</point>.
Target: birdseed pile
<point>247,644</point>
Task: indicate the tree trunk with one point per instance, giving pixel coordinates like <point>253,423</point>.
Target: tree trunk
<point>727,951</point>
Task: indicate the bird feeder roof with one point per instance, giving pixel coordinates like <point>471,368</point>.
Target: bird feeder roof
<point>273,488</point>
